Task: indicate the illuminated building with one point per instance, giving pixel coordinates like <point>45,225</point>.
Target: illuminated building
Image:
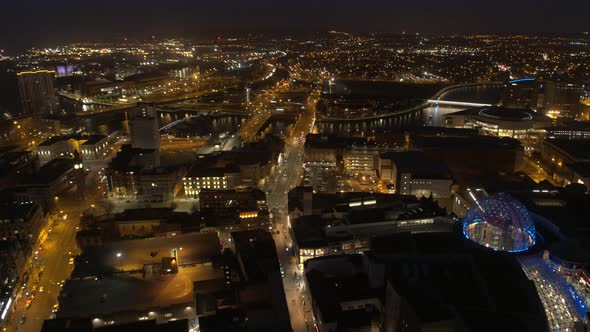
<point>361,160</point>
<point>95,147</point>
<point>500,121</point>
<point>56,147</point>
<point>570,130</point>
<point>89,147</point>
<point>567,159</point>
<point>412,173</point>
<point>561,98</point>
<point>37,92</point>
<point>501,223</point>
<point>52,180</point>
<point>198,179</point>
<point>522,92</point>
<point>134,175</point>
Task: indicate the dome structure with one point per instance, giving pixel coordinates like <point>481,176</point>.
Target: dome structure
<point>501,223</point>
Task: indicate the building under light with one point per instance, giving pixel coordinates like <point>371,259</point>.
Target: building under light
<point>501,223</point>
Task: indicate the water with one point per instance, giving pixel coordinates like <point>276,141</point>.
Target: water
<point>72,106</point>
<point>431,115</point>
<point>434,114</point>
<point>478,94</point>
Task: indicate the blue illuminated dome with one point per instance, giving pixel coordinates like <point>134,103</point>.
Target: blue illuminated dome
<point>501,223</point>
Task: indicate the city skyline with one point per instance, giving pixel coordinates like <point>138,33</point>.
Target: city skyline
<point>322,166</point>
<point>58,22</point>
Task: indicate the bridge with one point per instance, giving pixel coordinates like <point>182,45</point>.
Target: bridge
<point>436,100</point>
<point>441,93</point>
<point>456,103</point>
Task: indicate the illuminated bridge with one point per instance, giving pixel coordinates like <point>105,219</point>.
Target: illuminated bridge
<point>456,103</point>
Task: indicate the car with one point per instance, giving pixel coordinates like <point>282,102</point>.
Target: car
<point>22,319</point>
<point>71,261</point>
<point>41,289</point>
<point>55,308</point>
<point>34,288</point>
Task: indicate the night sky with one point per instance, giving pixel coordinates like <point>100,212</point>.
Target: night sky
<point>25,23</point>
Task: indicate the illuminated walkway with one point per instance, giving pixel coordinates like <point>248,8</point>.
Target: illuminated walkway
<point>562,304</point>
<point>456,103</point>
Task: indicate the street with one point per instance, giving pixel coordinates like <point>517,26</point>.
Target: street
<point>55,259</point>
<point>286,176</point>
<point>55,251</point>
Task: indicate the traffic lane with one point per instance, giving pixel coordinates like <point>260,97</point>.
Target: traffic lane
<point>296,312</point>
<point>57,268</point>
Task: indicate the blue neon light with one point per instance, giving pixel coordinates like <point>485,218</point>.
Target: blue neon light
<point>504,213</point>
<point>581,306</point>
<point>518,80</point>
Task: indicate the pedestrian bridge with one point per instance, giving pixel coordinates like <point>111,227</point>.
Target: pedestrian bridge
<point>456,103</point>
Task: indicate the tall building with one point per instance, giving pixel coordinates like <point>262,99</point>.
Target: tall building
<point>521,93</point>
<point>145,133</point>
<point>37,93</point>
<point>561,98</point>
<point>144,130</point>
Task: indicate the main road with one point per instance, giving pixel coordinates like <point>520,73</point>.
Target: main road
<point>285,176</point>
<point>55,251</point>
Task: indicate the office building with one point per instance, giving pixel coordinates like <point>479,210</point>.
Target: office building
<point>145,133</point>
<point>134,175</point>
<point>412,173</point>
<point>561,98</point>
<point>521,93</point>
<point>37,93</point>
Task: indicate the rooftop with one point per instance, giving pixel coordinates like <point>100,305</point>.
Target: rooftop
<point>503,113</point>
<point>480,141</point>
<point>333,142</point>
<point>582,168</point>
<point>90,297</point>
<point>16,210</point>
<point>52,171</point>
<point>578,149</point>
<point>257,251</point>
<point>130,158</point>
<point>418,164</point>
<point>337,279</point>
<point>132,255</point>
<point>93,139</point>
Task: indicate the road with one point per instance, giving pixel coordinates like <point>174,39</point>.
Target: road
<point>55,259</point>
<point>535,171</point>
<point>262,110</point>
<point>284,177</point>
<point>277,188</point>
<point>56,250</point>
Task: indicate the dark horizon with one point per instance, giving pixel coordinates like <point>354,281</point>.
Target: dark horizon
<point>44,23</point>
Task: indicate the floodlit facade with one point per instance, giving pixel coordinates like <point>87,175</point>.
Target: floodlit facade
<point>501,223</point>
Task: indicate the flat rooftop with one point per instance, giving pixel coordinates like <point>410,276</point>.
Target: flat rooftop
<point>93,139</point>
<point>579,149</point>
<point>418,164</point>
<point>126,292</point>
<point>132,255</point>
<point>52,171</point>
